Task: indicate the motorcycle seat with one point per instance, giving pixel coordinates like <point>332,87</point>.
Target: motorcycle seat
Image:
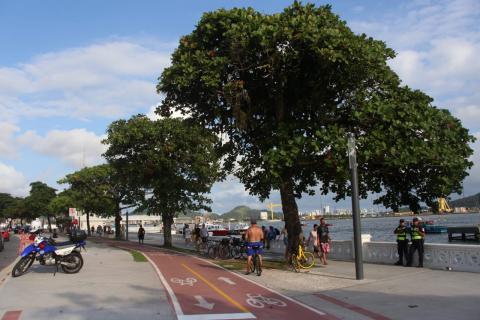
<point>64,244</point>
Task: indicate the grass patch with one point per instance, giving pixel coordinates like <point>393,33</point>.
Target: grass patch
<point>138,256</point>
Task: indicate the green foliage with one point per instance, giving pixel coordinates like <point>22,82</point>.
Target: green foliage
<point>241,213</point>
<point>245,213</point>
<point>60,205</point>
<point>287,88</point>
<point>91,190</point>
<point>6,201</point>
<point>18,210</point>
<point>39,199</point>
<point>174,162</point>
<point>99,190</point>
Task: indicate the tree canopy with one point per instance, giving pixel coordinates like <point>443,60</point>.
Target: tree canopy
<point>99,190</point>
<point>287,88</point>
<point>174,162</point>
<point>38,200</point>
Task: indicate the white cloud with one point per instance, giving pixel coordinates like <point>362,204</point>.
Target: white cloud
<point>7,145</point>
<point>109,80</point>
<point>472,182</point>
<point>437,44</point>
<point>76,148</point>
<point>12,181</point>
<point>469,114</point>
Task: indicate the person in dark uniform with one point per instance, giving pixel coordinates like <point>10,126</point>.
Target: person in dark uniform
<point>141,235</point>
<point>402,242</point>
<point>417,234</point>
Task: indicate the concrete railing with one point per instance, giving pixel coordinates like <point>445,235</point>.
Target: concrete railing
<point>458,257</point>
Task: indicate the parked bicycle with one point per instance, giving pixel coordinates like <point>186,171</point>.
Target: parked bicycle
<point>220,250</point>
<point>238,249</point>
<point>302,259</point>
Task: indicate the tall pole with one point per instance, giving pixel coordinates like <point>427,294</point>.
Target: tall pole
<point>126,228</point>
<point>357,233</point>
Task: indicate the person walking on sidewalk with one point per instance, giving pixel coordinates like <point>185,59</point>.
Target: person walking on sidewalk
<point>313,240</point>
<point>324,240</point>
<point>402,242</point>
<point>141,234</point>
<point>99,230</point>
<point>204,233</point>
<point>418,238</point>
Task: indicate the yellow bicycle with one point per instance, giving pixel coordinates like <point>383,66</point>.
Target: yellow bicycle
<point>302,259</point>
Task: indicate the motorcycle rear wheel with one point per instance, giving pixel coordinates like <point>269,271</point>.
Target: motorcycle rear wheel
<point>22,266</point>
<point>75,258</point>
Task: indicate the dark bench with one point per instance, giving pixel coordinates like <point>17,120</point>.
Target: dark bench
<point>465,233</point>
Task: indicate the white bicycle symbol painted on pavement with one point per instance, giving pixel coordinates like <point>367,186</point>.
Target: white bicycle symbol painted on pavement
<point>259,301</point>
<point>184,282</point>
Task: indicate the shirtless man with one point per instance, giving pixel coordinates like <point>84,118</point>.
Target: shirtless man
<point>254,237</point>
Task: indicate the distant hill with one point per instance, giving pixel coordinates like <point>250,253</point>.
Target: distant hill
<point>245,213</point>
<point>469,202</point>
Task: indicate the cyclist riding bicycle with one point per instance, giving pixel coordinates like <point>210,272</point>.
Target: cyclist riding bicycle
<point>254,238</point>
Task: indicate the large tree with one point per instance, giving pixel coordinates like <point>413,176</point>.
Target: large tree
<point>39,199</point>
<point>6,201</point>
<point>19,210</point>
<point>174,162</point>
<point>287,89</point>
<point>99,190</point>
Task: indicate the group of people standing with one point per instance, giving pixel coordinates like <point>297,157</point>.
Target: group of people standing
<point>319,238</point>
<point>269,234</point>
<point>417,236</point>
<point>197,235</point>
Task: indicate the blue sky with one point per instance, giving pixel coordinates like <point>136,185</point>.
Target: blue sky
<point>67,69</point>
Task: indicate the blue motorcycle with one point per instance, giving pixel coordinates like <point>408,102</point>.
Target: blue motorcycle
<point>50,253</point>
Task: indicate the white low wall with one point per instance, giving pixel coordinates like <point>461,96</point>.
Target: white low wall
<point>458,257</point>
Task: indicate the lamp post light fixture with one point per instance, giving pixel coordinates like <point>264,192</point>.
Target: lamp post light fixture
<point>357,233</point>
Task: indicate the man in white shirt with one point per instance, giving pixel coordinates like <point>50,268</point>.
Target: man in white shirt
<point>204,233</point>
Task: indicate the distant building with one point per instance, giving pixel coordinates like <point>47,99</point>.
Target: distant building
<point>264,215</point>
<point>326,210</point>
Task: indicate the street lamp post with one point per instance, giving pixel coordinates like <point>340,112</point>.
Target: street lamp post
<point>357,233</point>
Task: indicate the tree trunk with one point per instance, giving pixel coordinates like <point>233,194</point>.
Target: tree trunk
<point>290,212</point>
<point>88,224</point>
<point>167,230</point>
<point>49,223</point>
<point>118,218</point>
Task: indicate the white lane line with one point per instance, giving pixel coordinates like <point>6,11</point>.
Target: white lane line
<point>262,286</point>
<point>217,316</point>
<point>251,281</point>
<point>227,280</point>
<point>176,304</point>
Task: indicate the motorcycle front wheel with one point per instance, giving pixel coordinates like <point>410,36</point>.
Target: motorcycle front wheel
<point>22,266</point>
<point>75,262</point>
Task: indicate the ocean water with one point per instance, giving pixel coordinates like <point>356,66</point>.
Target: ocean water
<point>381,229</point>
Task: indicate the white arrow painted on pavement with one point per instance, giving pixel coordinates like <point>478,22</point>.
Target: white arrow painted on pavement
<point>227,280</point>
<point>203,303</point>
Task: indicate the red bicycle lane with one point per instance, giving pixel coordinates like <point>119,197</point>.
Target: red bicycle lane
<point>199,289</point>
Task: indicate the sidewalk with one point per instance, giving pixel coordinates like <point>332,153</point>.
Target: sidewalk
<point>387,292</point>
<point>110,286</point>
